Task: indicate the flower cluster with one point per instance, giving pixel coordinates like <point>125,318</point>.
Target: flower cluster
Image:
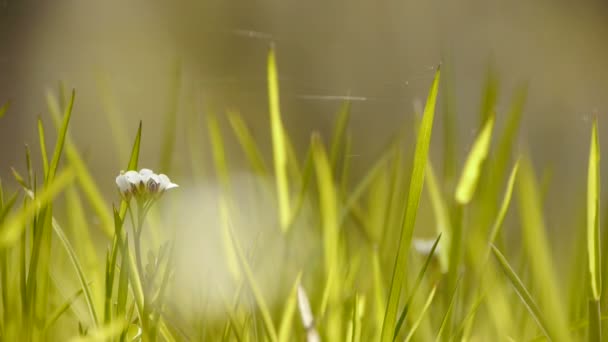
<point>144,184</point>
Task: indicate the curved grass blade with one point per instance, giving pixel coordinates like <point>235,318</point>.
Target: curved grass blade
<point>248,144</point>
<point>279,146</point>
<point>79,271</point>
<point>4,108</point>
<point>593,236</point>
<point>416,286</point>
<point>522,292</point>
<point>409,218</point>
<point>62,309</point>
<point>43,153</point>
<point>338,134</point>
<point>472,167</point>
<point>255,289</point>
<point>442,215</point>
<point>426,306</point>
<point>15,224</point>
<point>504,206</point>
<point>61,136</point>
<point>593,217</point>
<point>285,329</point>
<point>448,312</point>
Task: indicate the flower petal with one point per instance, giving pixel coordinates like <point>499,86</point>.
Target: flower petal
<point>122,183</point>
<point>165,183</point>
<point>133,178</point>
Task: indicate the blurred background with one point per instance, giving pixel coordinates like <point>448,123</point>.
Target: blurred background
<point>123,57</point>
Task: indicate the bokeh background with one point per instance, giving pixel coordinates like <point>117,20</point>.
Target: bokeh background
<point>122,58</point>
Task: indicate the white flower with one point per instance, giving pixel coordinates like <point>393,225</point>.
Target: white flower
<point>165,183</point>
<point>145,184</point>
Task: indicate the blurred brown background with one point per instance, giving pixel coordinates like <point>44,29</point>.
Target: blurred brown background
<point>121,57</point>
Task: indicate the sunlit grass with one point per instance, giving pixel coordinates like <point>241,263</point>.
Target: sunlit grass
<point>293,248</point>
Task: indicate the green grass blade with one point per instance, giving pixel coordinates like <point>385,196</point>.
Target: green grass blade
<point>248,144</point>
<point>414,290</point>
<point>441,214</point>
<point>426,306</point>
<point>338,134</point>
<point>61,136</point>
<point>79,271</point>
<point>4,108</point>
<point>15,224</point>
<point>593,216</point>
<point>409,218</point>
<point>448,312</point>
<point>279,146</point>
<point>504,206</point>
<point>522,292</point>
<point>170,125</point>
<point>472,168</point>
<point>286,327</point>
<point>134,158</point>
<point>536,247</point>
<point>62,309</point>
<point>490,94</point>
<point>43,153</point>
<point>255,289</point>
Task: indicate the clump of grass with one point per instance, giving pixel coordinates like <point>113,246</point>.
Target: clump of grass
<point>361,280</point>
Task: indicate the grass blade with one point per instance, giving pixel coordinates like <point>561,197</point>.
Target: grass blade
<point>427,262</point>
<point>409,218</point>
<point>472,168</point>
<point>504,206</point>
<point>286,327</point>
<point>79,271</point>
<point>248,144</point>
<point>4,108</point>
<point>593,217</point>
<point>426,306</point>
<point>279,146</point>
<point>61,136</point>
<point>521,291</point>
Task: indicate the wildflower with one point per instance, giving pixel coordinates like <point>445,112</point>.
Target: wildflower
<point>424,246</point>
<point>144,185</point>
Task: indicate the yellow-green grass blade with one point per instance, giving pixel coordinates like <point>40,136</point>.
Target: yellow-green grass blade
<point>338,136</point>
<point>426,306</point>
<point>417,180</point>
<point>441,214</point>
<point>522,292</point>
<point>15,224</point>
<point>279,146</point>
<point>330,232</point>
<point>255,289</point>
<point>448,312</point>
<point>248,144</point>
<point>593,236</point>
<point>414,290</point>
<point>170,125</point>
<point>504,206</point>
<point>43,153</point>
<point>489,97</point>
<point>286,327</point>
<point>79,271</point>
<point>537,252</point>
<point>118,131</point>
<point>472,167</point>
<point>593,216</point>
<point>4,108</point>
<point>103,333</point>
<point>62,309</point>
<point>61,136</point>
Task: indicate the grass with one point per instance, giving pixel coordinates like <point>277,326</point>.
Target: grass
<point>346,268</point>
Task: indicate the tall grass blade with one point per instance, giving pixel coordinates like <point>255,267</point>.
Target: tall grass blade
<point>338,134</point>
<point>279,146</point>
<point>248,144</point>
<point>79,271</point>
<point>504,206</point>
<point>61,136</point>
<point>522,292</point>
<point>417,180</point>
<point>472,168</point>
<point>593,216</point>
<point>414,290</point>
<point>4,108</point>
<point>426,306</point>
<point>286,327</point>
<point>441,214</point>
